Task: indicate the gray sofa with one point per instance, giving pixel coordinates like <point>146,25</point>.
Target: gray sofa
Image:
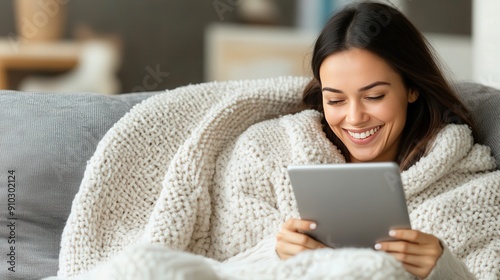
<point>46,139</point>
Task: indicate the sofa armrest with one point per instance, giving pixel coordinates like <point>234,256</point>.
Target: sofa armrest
<point>46,140</point>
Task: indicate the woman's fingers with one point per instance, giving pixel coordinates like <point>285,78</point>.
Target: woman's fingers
<point>291,240</point>
<point>407,248</point>
<point>299,225</point>
<point>291,243</point>
<point>292,232</point>
<point>417,251</point>
<point>299,239</point>
<point>414,260</point>
<point>414,236</point>
<point>417,242</point>
<point>287,249</point>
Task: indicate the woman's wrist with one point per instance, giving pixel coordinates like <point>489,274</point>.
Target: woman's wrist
<point>448,266</point>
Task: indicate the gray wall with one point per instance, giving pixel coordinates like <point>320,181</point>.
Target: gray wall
<point>441,16</point>
<point>168,34</point>
<point>159,34</point>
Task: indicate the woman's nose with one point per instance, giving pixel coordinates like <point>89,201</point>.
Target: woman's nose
<point>356,114</point>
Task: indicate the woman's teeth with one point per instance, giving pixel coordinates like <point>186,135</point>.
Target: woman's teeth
<point>365,134</point>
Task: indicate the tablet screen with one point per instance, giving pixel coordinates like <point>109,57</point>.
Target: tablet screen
<point>353,204</point>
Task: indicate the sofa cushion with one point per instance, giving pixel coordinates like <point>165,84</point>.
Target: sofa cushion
<point>47,139</point>
<point>484,104</point>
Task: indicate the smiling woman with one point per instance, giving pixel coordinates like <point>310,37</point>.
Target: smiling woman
<point>383,98</point>
<point>364,43</point>
<point>365,104</point>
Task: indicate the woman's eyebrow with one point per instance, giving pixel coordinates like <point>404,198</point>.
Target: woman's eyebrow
<point>332,90</point>
<point>365,88</point>
<point>372,85</point>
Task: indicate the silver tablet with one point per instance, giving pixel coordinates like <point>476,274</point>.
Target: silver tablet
<point>353,204</point>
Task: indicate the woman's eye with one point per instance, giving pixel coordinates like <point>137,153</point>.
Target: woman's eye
<point>375,97</point>
<point>334,102</point>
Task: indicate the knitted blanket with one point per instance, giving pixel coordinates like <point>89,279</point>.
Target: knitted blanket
<point>199,174</point>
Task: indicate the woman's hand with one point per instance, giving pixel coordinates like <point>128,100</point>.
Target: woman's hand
<point>418,251</point>
<point>290,240</point>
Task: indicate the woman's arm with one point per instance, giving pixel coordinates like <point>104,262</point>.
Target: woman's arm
<point>450,267</point>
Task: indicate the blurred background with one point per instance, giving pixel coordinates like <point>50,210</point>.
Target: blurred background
<point>118,46</point>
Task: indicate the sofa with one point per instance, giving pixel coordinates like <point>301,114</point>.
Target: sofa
<point>46,140</point>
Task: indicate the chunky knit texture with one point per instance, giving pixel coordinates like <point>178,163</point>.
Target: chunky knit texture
<point>202,169</point>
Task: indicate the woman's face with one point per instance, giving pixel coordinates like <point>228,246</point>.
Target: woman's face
<point>365,103</point>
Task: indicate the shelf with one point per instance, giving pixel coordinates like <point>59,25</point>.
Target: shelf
<point>39,56</point>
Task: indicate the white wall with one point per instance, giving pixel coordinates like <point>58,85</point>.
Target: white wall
<point>486,42</point>
<point>454,53</point>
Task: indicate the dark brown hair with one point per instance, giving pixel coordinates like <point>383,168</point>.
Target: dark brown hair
<point>386,32</point>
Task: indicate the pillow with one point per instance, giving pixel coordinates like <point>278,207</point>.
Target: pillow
<point>46,140</point>
<point>484,105</point>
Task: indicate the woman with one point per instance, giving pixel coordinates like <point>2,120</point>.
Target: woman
<point>383,98</point>
<point>202,169</point>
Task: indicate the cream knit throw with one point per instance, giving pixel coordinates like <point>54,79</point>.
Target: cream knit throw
<point>202,169</point>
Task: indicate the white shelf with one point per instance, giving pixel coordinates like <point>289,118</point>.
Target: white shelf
<point>235,52</point>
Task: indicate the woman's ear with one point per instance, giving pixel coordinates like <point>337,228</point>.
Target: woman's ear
<point>412,95</point>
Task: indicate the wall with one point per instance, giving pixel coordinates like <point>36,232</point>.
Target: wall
<point>158,35</point>
<point>448,27</point>
<point>442,16</point>
<point>486,41</point>
<point>168,36</point>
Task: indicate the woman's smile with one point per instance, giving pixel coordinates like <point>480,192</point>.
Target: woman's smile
<point>362,136</point>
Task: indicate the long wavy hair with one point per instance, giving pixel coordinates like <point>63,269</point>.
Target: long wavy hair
<point>386,32</point>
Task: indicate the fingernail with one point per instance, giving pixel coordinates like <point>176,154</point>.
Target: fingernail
<point>312,226</point>
<point>392,233</point>
<point>378,246</point>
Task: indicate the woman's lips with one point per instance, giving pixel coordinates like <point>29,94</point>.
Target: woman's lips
<point>363,137</point>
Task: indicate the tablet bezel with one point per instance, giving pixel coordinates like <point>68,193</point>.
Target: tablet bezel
<point>366,200</point>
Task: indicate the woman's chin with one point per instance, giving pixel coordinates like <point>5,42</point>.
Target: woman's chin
<point>363,157</point>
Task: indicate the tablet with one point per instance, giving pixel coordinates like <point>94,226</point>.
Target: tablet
<point>353,204</point>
